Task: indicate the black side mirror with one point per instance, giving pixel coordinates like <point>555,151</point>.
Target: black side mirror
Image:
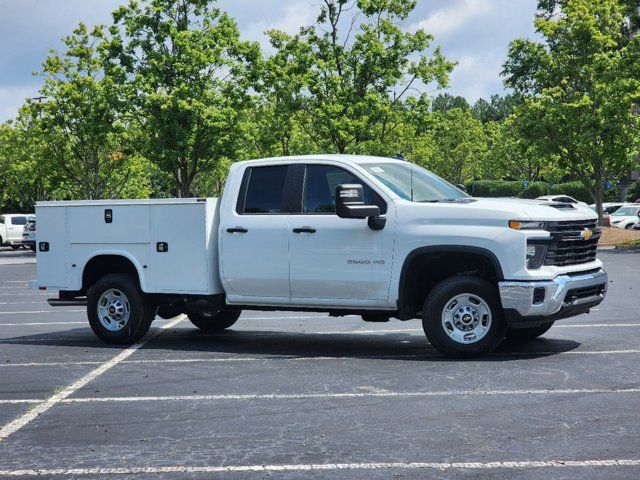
<point>350,204</point>
<point>461,187</point>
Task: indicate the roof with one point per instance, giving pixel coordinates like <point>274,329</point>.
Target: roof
<point>329,156</point>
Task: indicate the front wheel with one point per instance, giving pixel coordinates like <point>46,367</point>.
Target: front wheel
<point>214,321</point>
<point>462,316</point>
<point>119,312</point>
<point>524,334</point>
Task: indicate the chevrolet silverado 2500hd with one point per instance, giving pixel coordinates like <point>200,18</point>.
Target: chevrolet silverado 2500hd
<point>370,236</point>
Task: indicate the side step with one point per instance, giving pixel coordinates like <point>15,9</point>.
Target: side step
<point>56,302</point>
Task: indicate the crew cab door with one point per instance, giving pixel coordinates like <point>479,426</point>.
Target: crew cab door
<point>254,238</point>
<point>337,261</point>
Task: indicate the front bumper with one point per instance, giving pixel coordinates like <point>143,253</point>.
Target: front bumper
<point>531,303</point>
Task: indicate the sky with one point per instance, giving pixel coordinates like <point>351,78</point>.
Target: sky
<point>473,33</point>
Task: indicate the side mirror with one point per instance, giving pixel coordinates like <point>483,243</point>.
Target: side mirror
<point>461,187</point>
<point>350,204</point>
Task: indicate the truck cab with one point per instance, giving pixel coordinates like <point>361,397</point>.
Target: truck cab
<point>370,236</point>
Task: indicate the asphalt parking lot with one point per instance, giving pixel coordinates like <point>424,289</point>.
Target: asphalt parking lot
<point>286,395</point>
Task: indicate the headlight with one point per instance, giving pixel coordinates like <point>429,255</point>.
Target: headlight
<point>520,225</point>
<point>535,255</point>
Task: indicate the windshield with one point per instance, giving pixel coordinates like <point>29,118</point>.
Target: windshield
<point>626,212</point>
<point>414,183</point>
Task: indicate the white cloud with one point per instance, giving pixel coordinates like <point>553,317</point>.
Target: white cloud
<point>452,17</point>
<point>289,20</point>
<point>12,98</point>
<point>477,76</point>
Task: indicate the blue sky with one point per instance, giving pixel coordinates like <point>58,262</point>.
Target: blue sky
<point>474,33</point>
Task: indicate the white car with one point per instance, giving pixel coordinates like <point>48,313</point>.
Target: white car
<point>561,199</point>
<point>343,234</point>
<point>626,216</point>
<point>11,228</point>
<point>29,234</point>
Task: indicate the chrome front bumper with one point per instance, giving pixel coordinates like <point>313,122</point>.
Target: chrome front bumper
<point>520,296</point>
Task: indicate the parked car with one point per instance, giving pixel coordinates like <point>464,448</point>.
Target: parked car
<point>607,209</point>
<point>626,216</point>
<point>11,228</point>
<point>561,199</point>
<point>29,234</point>
<point>342,234</point>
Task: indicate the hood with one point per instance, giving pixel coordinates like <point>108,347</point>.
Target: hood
<point>521,209</point>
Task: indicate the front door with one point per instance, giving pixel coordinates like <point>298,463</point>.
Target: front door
<point>255,243</point>
<point>338,261</point>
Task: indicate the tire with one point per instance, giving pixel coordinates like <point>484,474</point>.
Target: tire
<point>629,227</point>
<point>376,317</point>
<point>119,312</point>
<point>216,322</point>
<point>524,334</point>
<point>468,302</point>
<point>16,247</point>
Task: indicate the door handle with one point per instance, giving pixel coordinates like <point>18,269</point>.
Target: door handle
<point>237,230</point>
<point>304,230</point>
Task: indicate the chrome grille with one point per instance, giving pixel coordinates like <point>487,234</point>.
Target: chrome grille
<point>568,246</point>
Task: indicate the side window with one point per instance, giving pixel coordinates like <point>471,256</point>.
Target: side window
<point>320,189</point>
<point>18,220</point>
<point>263,189</point>
<point>1,219</point>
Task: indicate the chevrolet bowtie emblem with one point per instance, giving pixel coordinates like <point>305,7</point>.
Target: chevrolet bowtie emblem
<point>586,234</point>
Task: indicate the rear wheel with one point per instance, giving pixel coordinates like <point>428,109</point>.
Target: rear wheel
<point>524,334</point>
<point>15,247</point>
<point>462,316</point>
<point>214,321</point>
<point>119,312</point>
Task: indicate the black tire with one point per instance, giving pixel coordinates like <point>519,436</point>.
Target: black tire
<point>524,334</point>
<point>141,309</point>
<point>216,322</point>
<point>15,247</point>
<point>433,311</point>
<point>376,317</point>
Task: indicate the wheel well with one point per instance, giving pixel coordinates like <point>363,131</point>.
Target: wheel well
<point>425,268</point>
<point>102,265</point>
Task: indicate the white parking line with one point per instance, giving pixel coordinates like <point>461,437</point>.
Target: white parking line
<point>28,324</point>
<point>20,400</point>
<point>56,398</point>
<point>381,394</point>
<point>502,465</point>
<point>25,312</point>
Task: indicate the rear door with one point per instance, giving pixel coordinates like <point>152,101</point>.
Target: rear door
<point>332,258</point>
<point>254,237</point>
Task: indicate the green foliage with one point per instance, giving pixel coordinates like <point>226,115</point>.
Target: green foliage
<point>497,109</point>
<point>580,87</point>
<point>574,189</point>
<point>535,190</point>
<point>344,80</point>
<point>445,102</point>
<point>496,188</point>
<point>633,193</point>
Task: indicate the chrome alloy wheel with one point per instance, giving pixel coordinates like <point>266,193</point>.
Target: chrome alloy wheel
<point>113,309</point>
<point>466,318</point>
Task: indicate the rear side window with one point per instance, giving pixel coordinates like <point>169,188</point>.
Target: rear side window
<point>263,190</point>
<point>320,189</point>
<point>1,220</point>
<point>18,220</point>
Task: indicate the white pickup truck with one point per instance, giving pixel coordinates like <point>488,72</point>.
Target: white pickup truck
<point>347,235</point>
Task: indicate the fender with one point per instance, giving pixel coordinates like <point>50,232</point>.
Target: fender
<point>118,253</point>
<point>402,301</point>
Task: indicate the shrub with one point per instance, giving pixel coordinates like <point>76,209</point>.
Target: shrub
<point>535,190</point>
<point>633,193</point>
<point>496,188</point>
<point>573,189</point>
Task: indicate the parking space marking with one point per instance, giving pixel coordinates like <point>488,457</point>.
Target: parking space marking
<point>310,358</point>
<point>20,400</point>
<point>60,396</point>
<point>24,312</point>
<point>326,467</point>
<point>338,395</point>
<point>30,324</point>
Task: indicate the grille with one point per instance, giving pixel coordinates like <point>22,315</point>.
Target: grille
<point>585,292</point>
<point>568,247</point>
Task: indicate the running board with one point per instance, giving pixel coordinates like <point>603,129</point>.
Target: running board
<point>56,302</point>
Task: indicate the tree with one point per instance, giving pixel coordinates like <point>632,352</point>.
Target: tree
<point>497,109</point>
<point>460,146</point>
<point>344,80</point>
<point>187,76</point>
<point>581,85</point>
<point>78,126</point>
<point>446,101</point>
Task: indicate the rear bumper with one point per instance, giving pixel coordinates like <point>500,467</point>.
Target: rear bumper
<point>533,303</point>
